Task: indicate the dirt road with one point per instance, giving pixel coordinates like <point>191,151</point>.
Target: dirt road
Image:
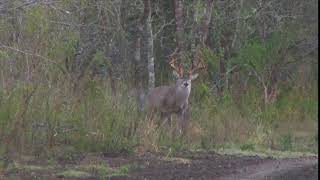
<point>229,167</point>
<point>191,165</point>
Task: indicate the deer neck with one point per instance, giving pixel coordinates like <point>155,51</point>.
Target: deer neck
<point>182,94</point>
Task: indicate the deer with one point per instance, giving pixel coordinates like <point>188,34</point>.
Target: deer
<point>173,99</point>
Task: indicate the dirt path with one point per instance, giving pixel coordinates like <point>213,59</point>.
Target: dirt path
<point>191,165</point>
<point>301,168</point>
<point>231,167</point>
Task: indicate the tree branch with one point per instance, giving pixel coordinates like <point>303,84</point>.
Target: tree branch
<point>161,28</point>
<point>34,55</point>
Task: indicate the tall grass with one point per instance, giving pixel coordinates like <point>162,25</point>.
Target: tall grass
<point>37,117</point>
<point>291,123</point>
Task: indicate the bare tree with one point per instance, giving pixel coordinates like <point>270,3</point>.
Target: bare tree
<point>148,35</point>
<point>206,22</point>
<point>178,13</point>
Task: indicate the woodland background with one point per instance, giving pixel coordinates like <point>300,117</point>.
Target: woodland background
<point>72,73</point>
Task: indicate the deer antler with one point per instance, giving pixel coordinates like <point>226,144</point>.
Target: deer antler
<point>178,69</point>
<point>200,65</point>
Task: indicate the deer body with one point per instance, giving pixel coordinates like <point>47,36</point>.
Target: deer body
<point>168,100</point>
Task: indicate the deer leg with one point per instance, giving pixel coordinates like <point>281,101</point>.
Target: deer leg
<point>170,121</point>
<point>180,120</point>
<point>185,121</point>
<point>164,118</point>
<point>151,115</point>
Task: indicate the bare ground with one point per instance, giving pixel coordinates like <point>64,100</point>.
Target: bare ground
<point>190,165</point>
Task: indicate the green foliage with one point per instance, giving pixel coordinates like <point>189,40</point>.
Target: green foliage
<point>247,146</point>
<point>124,170</point>
<point>295,102</point>
<point>99,58</point>
<point>37,20</point>
<point>3,55</point>
<point>253,56</point>
<point>199,10</point>
<point>226,100</point>
<point>286,142</point>
<point>263,135</point>
<point>91,125</point>
<point>263,57</point>
<point>92,122</point>
<point>211,59</point>
<point>201,92</point>
<point>64,46</point>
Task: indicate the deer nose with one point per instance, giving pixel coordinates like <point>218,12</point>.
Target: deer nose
<point>186,84</point>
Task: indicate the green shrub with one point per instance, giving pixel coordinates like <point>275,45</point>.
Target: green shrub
<point>286,142</point>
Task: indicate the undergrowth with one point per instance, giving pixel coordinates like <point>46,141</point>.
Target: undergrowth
<point>36,118</point>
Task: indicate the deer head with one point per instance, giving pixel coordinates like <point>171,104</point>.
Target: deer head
<point>178,72</point>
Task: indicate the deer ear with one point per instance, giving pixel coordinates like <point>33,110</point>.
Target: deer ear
<point>194,76</point>
<point>175,74</point>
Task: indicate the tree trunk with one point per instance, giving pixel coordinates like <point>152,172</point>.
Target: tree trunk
<point>149,43</point>
<point>138,71</point>
<point>86,45</point>
<point>262,19</point>
<point>194,30</point>
<point>178,14</point>
<point>237,31</point>
<point>204,31</point>
<point>225,44</point>
<point>270,93</point>
<point>206,22</point>
<point>222,68</point>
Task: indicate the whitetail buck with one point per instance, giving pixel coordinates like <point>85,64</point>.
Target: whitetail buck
<point>173,99</point>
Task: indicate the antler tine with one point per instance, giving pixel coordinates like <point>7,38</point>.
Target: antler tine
<point>200,65</point>
<point>178,69</point>
<point>173,53</point>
